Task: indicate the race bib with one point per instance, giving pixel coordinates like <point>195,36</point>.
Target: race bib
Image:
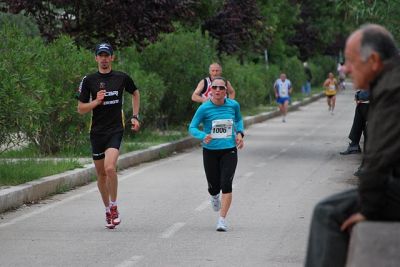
<point>221,128</point>
<point>332,87</point>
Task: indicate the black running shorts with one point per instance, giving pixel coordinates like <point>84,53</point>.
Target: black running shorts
<point>101,142</point>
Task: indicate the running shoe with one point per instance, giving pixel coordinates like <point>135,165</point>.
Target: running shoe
<point>221,226</point>
<point>215,203</point>
<point>109,224</point>
<point>115,220</point>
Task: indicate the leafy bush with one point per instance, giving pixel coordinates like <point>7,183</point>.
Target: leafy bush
<point>249,81</point>
<point>320,66</point>
<point>181,59</point>
<point>59,69</point>
<point>38,84</point>
<point>271,75</point>
<point>151,88</point>
<point>294,70</point>
<point>18,107</point>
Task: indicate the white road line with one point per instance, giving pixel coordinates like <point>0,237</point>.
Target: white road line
<point>248,174</point>
<point>273,157</point>
<point>261,164</point>
<point>172,230</point>
<point>131,262</point>
<point>68,199</point>
<point>203,206</point>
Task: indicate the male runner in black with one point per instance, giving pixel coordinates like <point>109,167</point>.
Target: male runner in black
<point>102,93</point>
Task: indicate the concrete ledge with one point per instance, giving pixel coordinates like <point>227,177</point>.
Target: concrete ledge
<point>374,244</point>
<point>15,196</point>
<point>31,192</point>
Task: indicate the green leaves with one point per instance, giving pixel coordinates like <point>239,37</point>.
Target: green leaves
<point>37,84</point>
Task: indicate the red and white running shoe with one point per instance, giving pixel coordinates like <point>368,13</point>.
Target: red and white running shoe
<point>115,220</point>
<point>109,223</point>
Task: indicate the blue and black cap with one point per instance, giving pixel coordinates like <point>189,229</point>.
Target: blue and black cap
<point>104,47</point>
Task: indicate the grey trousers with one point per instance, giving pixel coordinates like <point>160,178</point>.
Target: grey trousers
<point>327,244</point>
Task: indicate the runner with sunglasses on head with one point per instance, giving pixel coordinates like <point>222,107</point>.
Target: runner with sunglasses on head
<point>222,134</point>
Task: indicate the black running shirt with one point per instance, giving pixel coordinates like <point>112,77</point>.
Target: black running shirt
<point>108,117</point>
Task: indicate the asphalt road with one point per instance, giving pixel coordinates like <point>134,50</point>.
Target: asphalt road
<point>284,169</point>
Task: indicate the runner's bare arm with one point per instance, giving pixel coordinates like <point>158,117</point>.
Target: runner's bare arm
<point>230,90</point>
<point>136,102</point>
<point>87,107</point>
<point>196,97</point>
<point>135,109</point>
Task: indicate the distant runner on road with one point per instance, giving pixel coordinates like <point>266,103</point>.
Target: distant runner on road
<point>102,94</point>
<point>283,89</point>
<point>203,90</point>
<point>331,88</point>
<point>222,134</point>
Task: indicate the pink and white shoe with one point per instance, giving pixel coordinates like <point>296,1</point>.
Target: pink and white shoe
<point>115,219</point>
<point>109,223</point>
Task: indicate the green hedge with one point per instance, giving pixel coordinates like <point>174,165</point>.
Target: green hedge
<point>38,84</point>
<point>181,59</point>
<point>151,87</point>
<point>320,67</point>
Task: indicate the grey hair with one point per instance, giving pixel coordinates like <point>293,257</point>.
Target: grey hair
<point>215,64</point>
<point>375,38</point>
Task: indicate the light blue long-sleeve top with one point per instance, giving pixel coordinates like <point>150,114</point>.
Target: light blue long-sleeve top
<point>223,116</point>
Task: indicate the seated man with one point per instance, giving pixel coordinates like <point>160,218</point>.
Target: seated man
<point>373,61</point>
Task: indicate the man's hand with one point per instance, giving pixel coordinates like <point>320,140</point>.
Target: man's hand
<point>353,219</point>
<point>239,141</point>
<point>135,125</point>
<point>100,96</point>
<point>207,139</point>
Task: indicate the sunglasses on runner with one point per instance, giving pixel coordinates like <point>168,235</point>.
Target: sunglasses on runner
<point>220,87</point>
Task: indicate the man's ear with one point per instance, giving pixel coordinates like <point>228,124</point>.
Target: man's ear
<point>375,61</point>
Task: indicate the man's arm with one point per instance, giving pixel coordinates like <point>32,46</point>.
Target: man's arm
<point>135,102</point>
<point>196,97</point>
<point>231,91</point>
<point>135,110</point>
<point>86,107</point>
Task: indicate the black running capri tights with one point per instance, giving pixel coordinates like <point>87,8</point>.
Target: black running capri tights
<point>220,167</point>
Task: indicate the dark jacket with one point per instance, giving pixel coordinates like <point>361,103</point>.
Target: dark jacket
<point>380,181</point>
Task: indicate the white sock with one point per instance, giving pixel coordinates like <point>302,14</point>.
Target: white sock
<point>113,203</point>
<point>107,209</point>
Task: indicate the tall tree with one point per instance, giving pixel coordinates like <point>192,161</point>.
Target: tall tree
<point>238,27</point>
<point>384,12</point>
<point>321,30</point>
<point>121,22</point>
<point>280,18</point>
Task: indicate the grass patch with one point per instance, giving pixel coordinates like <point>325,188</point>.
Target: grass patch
<point>258,109</point>
<point>148,138</point>
<point>19,172</point>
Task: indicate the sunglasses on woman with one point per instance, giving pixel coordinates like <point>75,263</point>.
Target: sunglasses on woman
<point>219,87</point>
